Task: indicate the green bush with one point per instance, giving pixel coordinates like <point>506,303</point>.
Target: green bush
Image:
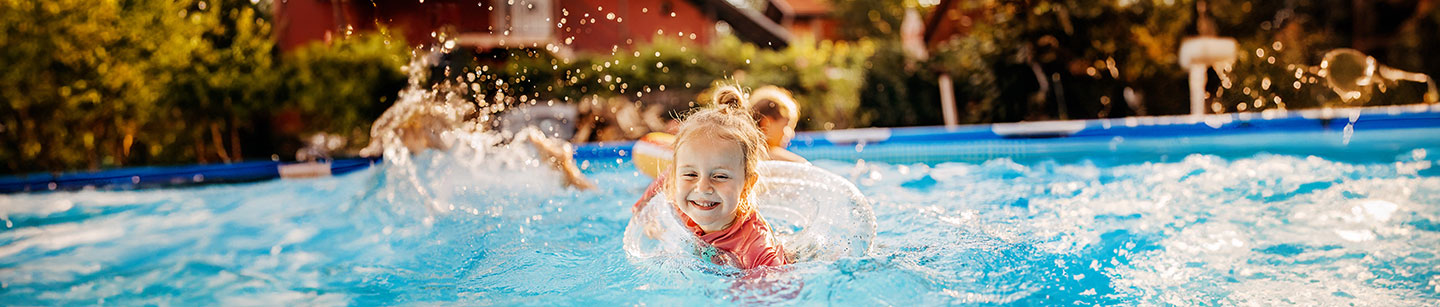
<point>112,83</point>
<point>85,81</point>
<point>342,86</point>
<point>230,79</point>
<point>824,76</point>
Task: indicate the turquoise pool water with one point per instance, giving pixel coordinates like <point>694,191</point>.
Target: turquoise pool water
<point>1088,226</point>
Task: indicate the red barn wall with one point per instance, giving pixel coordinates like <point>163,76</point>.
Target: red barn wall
<point>635,22</point>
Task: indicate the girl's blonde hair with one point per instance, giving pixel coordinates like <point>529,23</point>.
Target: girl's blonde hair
<point>773,102</point>
<point>727,119</point>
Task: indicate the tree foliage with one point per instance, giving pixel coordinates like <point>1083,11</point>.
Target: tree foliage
<point>342,86</point>
<point>823,76</point>
<point>85,80</point>
<point>92,84</point>
<point>1053,59</point>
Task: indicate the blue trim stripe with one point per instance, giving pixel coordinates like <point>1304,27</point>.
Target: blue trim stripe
<point>142,177</point>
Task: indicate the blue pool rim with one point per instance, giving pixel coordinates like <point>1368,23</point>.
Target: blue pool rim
<point>1424,116</point>
<point>165,176</point>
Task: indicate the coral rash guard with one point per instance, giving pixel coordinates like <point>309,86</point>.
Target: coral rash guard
<point>748,243</point>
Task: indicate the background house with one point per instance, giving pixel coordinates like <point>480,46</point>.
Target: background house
<point>564,25</point>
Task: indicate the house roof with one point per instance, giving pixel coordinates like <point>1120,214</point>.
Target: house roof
<point>749,25</point>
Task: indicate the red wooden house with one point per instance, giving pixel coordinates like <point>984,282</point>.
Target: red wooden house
<point>564,25</point>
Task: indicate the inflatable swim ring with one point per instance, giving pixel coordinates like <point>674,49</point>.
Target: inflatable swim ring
<point>817,215</point>
<point>652,153</point>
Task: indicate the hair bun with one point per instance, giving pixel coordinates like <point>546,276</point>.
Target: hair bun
<point>729,96</point>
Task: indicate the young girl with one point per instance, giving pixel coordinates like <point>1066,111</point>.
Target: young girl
<point>717,152</point>
<point>776,113</point>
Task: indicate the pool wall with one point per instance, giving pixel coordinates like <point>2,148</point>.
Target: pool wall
<point>1355,133</point>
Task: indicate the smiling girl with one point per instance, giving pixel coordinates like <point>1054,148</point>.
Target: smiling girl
<point>717,152</point>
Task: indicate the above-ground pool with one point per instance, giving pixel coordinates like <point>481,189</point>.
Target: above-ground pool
<point>1306,209</point>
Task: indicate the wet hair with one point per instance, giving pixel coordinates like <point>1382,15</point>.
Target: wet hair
<point>728,120</point>
<point>729,96</point>
<point>773,102</point>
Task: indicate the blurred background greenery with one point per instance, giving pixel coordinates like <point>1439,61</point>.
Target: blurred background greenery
<point>96,84</point>
<point>92,84</point>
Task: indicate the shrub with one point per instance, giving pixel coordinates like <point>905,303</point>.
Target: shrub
<point>85,80</point>
<point>342,86</point>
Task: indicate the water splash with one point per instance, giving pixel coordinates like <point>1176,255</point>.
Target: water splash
<point>443,141</point>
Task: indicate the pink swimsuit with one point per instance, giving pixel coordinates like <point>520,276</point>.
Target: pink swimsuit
<point>748,243</point>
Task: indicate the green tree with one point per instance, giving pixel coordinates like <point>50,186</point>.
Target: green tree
<point>230,78</point>
<point>342,86</point>
<point>84,78</point>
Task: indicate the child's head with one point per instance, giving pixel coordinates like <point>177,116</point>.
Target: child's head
<point>776,113</point>
<point>717,151</point>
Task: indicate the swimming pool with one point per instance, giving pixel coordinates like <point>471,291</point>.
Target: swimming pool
<point>1303,209</point>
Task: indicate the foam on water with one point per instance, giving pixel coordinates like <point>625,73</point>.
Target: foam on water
<point>1205,230</point>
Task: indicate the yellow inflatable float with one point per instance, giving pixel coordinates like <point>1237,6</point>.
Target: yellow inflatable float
<point>652,153</point>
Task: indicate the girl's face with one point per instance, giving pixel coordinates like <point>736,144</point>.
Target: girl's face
<point>778,131</point>
<point>710,176</point>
